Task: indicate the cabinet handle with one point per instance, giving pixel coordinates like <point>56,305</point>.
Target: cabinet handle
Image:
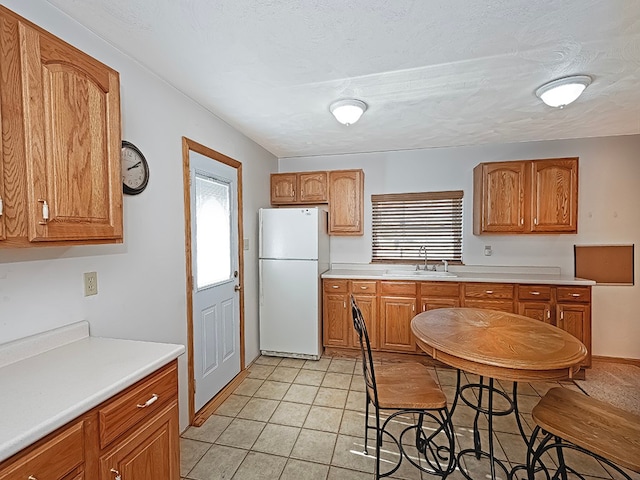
<point>31,477</point>
<point>562,315</point>
<point>534,293</point>
<point>1,207</point>
<point>117,474</point>
<point>413,308</point>
<point>45,212</point>
<point>522,221</point>
<point>575,295</point>
<point>149,402</point>
<point>548,314</point>
<point>344,304</point>
<point>489,291</point>
<point>335,286</point>
<point>363,288</point>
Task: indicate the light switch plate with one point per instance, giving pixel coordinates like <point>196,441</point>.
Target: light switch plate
<point>246,244</point>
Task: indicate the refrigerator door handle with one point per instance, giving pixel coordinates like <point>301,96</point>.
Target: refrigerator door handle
<point>261,286</point>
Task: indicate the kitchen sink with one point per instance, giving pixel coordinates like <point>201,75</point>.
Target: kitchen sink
<point>419,273</point>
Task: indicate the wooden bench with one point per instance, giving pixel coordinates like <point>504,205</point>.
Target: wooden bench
<point>605,432</point>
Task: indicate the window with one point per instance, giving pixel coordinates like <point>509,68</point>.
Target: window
<point>404,222</point>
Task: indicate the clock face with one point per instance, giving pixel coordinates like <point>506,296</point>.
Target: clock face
<point>135,170</point>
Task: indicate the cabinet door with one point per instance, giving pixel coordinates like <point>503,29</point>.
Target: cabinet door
<point>576,319</point>
<point>336,320</point>
<point>395,324</point>
<point>346,209</point>
<point>151,453</point>
<point>312,187</point>
<point>536,310</point>
<point>368,305</point>
<point>72,141</point>
<point>554,193</point>
<point>503,197</point>
<point>283,188</point>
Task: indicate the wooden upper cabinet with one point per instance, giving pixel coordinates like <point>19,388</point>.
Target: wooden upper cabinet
<point>554,190</point>
<point>528,196</point>
<point>283,188</point>
<point>502,186</point>
<point>61,112</point>
<point>346,202</point>
<point>312,187</point>
<point>303,188</point>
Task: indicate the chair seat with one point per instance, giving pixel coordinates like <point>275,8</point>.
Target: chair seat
<point>408,385</point>
<point>594,425</point>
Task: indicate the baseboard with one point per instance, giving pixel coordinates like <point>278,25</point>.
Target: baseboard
<point>629,361</point>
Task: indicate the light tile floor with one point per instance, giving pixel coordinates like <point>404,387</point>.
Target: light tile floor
<point>293,419</point>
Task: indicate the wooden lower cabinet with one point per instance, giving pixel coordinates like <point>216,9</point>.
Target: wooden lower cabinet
<point>492,296</point>
<point>368,305</point>
<point>151,453</point>
<point>58,457</point>
<point>146,446</point>
<point>576,319</point>
<point>398,305</point>
<point>439,295</point>
<point>336,319</point>
<point>389,306</point>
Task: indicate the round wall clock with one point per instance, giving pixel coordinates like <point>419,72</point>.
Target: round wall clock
<point>135,170</point>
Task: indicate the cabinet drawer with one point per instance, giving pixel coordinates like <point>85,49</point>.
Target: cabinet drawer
<point>398,288</point>
<point>360,287</point>
<point>501,305</point>
<point>488,290</point>
<point>534,292</point>
<point>137,404</point>
<point>53,459</point>
<point>336,286</point>
<point>573,294</point>
<point>439,289</point>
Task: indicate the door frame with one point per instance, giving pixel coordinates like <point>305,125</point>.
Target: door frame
<point>188,145</point>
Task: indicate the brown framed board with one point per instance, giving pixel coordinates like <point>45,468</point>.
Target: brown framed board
<point>605,264</point>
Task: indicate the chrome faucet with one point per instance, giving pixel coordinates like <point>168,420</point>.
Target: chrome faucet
<point>446,265</point>
<point>423,247</point>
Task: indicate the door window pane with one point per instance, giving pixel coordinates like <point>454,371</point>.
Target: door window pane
<point>213,231</point>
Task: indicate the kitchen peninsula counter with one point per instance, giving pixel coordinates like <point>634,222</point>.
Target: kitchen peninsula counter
<point>49,379</point>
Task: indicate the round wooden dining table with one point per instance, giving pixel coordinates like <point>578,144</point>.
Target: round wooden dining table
<point>496,345</point>
<point>499,345</point>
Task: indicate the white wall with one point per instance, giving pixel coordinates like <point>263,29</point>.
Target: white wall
<point>608,213</point>
<point>141,283</point>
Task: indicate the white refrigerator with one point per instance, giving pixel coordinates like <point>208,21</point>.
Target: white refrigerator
<point>293,253</point>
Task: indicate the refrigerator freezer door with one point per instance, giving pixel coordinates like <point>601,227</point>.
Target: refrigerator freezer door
<point>290,308</point>
<point>290,233</point>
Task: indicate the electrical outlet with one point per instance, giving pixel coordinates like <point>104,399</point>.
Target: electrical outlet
<point>487,250</point>
<point>90,283</point>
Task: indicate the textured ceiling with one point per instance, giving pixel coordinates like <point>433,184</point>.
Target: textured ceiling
<point>433,72</point>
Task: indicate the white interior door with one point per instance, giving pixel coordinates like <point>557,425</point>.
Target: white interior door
<point>215,263</point>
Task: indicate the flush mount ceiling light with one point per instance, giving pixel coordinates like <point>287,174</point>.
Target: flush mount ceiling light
<point>348,111</point>
<point>563,91</point>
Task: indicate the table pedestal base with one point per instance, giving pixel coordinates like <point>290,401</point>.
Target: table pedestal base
<point>489,390</point>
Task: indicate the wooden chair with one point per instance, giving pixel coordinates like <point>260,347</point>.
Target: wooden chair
<point>406,389</point>
<point>566,419</point>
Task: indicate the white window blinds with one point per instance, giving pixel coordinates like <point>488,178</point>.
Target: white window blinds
<point>403,222</point>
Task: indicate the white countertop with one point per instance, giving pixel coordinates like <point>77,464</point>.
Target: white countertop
<point>40,393</point>
<point>532,275</point>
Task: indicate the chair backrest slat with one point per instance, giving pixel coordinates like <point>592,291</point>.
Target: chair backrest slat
<point>365,348</point>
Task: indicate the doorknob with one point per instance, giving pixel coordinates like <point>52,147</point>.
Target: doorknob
<point>237,288</point>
